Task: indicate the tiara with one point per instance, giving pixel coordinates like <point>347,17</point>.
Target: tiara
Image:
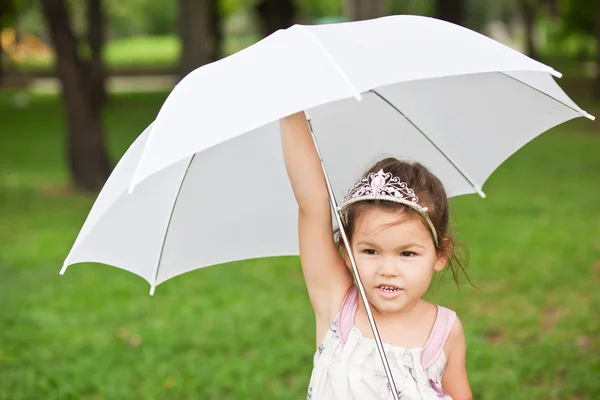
<point>384,186</point>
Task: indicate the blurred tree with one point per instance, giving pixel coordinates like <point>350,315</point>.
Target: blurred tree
<point>553,8</point>
<point>96,39</point>
<point>477,14</point>
<point>508,11</point>
<point>318,9</point>
<point>88,159</point>
<point>413,7</point>
<point>579,15</point>
<point>8,14</point>
<point>357,10</point>
<point>450,10</point>
<point>529,11</point>
<point>216,30</point>
<point>141,17</point>
<point>583,17</point>
<point>197,20</point>
<point>231,6</point>
<point>274,15</point>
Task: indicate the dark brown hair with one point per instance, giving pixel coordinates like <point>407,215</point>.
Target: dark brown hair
<point>431,193</point>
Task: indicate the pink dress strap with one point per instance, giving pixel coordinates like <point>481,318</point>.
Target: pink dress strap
<point>347,312</point>
<point>441,330</point>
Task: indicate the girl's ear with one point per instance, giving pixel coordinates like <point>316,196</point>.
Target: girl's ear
<point>440,264</point>
<point>442,259</point>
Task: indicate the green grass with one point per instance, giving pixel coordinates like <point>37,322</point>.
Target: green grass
<point>146,51</point>
<point>142,52</point>
<point>533,331</point>
<point>130,53</point>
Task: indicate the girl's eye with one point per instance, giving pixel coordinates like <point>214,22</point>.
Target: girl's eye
<point>370,252</point>
<point>408,254</point>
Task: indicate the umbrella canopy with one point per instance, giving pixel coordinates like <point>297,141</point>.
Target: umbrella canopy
<point>205,183</point>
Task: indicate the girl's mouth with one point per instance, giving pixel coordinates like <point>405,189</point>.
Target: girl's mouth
<point>389,291</point>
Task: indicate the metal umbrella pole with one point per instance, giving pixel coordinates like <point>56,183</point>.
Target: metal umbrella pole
<point>361,289</point>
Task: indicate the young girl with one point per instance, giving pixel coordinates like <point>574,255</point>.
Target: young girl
<point>396,218</point>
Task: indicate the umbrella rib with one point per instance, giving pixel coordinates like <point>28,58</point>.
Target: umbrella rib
<point>446,156</point>
<point>357,94</point>
<point>580,112</point>
<point>162,248</point>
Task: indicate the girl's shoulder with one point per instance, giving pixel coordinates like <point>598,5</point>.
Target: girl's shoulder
<point>452,336</point>
<point>456,335</point>
<point>445,334</point>
<point>448,321</point>
<point>437,313</point>
<point>439,316</point>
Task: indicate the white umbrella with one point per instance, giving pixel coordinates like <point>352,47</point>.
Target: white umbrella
<point>209,178</point>
<point>211,183</point>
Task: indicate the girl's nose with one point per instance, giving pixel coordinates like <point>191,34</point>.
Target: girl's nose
<point>389,267</point>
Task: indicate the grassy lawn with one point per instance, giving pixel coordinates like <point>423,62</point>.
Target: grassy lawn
<point>533,330</point>
<point>142,52</point>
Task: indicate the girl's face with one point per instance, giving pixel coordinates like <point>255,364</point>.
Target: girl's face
<point>396,258</point>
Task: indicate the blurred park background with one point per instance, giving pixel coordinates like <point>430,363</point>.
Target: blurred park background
<point>80,79</point>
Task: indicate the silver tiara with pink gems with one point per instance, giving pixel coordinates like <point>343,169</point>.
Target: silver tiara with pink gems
<point>384,186</point>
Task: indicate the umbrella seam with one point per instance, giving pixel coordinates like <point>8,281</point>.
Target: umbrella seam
<point>345,77</point>
<point>580,111</point>
<point>153,283</point>
<point>447,157</point>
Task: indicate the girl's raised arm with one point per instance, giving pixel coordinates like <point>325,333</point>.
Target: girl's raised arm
<point>327,277</point>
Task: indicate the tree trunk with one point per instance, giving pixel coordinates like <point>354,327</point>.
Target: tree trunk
<point>88,160</point>
<point>553,8</point>
<point>359,10</point>
<point>194,34</point>
<point>528,8</point>
<point>7,15</point>
<point>274,15</point>
<point>97,72</point>
<point>450,10</point>
<point>216,31</point>
<point>597,34</point>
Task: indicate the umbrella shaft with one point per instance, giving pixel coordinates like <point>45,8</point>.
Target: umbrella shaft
<point>361,288</point>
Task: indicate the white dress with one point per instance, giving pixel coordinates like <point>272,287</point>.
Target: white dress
<point>347,365</point>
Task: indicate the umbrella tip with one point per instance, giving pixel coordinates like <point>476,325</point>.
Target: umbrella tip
<point>556,73</point>
<point>480,192</point>
<point>63,269</point>
<point>152,288</point>
<point>589,116</point>
<point>131,189</point>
